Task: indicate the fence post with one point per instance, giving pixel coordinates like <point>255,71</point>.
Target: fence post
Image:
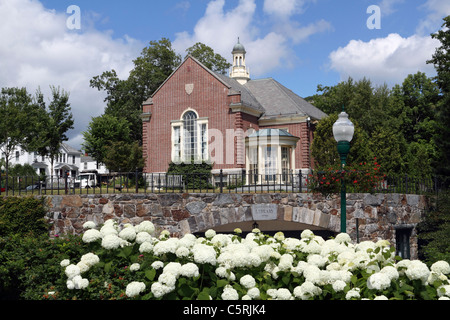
<point>300,189</point>
<point>136,180</point>
<point>221,180</point>
<point>66,176</point>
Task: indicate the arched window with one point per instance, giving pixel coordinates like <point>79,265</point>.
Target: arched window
<point>190,135</point>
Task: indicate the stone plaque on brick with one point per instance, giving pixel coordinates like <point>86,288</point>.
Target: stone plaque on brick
<point>263,212</point>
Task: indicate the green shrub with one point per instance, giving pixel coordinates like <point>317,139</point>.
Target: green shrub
<point>21,215</point>
<point>195,175</point>
<point>29,264</point>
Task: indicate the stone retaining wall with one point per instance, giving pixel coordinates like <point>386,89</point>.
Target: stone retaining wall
<point>378,215</point>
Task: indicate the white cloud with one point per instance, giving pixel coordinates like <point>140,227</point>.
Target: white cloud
<point>219,29</point>
<point>437,10</point>
<point>387,7</point>
<point>384,60</point>
<point>38,50</point>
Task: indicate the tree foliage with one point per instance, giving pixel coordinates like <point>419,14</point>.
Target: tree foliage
<point>398,125</point>
<point>441,62</point>
<point>102,132</point>
<point>209,58</point>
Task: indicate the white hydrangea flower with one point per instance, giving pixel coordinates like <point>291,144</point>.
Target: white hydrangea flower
<point>284,294</point>
<point>254,293</point>
<point>91,235</point>
<point>379,281</point>
<point>167,246</point>
<point>286,261</point>
<point>189,270</point>
<point>158,289</point>
<point>343,238</point>
<point>307,234</point>
<point>83,267</point>
<point>72,271</point>
<point>443,291</point>
<point>142,237</point>
<point>89,225</point>
<point>90,259</point>
<point>146,247</point>
<point>169,279</point>
<point>173,268</point>
<point>204,254</point>
<point>229,293</point>
<point>391,272</point>
<point>135,267</point>
<point>339,285</point>
<point>279,236</point>
<point>134,289</point>
<point>307,290</point>
<point>317,260</point>
<point>182,252</point>
<point>441,267</point>
<point>146,226</point>
<point>157,265</point>
<point>64,263</point>
<point>111,241</point>
<point>248,281</point>
<point>128,234</point>
<point>353,294</point>
<point>210,233</point>
<point>417,270</point>
<point>80,283</point>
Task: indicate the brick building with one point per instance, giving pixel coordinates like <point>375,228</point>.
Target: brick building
<point>236,123</point>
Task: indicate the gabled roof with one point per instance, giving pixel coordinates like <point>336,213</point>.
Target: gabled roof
<point>69,149</point>
<point>265,96</point>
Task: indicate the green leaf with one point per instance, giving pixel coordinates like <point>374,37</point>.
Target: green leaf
<point>204,295</point>
<point>150,274</point>
<point>108,267</point>
<point>186,291</point>
<point>221,283</point>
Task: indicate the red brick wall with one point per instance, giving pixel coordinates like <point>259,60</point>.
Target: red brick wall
<point>210,98</point>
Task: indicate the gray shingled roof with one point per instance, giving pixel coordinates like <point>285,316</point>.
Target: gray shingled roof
<point>279,101</point>
<point>272,98</point>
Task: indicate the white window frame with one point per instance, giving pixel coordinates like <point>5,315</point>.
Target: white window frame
<point>202,154</point>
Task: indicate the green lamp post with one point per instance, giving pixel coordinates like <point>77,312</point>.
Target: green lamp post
<point>343,131</point>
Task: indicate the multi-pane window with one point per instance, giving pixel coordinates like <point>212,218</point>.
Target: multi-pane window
<point>204,141</point>
<point>190,138</point>
<point>270,163</point>
<point>190,135</point>
<point>176,143</point>
<point>285,164</point>
<point>253,164</point>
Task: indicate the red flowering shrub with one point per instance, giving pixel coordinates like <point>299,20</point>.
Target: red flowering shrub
<point>359,178</point>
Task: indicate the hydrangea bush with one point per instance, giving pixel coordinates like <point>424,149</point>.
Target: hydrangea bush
<point>130,262</point>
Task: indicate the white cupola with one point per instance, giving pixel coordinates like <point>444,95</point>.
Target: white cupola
<point>239,71</point>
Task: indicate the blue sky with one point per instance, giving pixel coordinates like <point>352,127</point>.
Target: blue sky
<point>300,43</point>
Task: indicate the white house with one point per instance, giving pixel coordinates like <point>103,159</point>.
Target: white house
<point>89,164</point>
<point>69,161</point>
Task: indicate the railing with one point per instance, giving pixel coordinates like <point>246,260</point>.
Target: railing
<point>244,182</point>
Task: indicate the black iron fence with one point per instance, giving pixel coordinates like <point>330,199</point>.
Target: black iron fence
<point>244,182</point>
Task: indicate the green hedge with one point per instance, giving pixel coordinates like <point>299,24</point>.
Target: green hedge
<point>21,215</point>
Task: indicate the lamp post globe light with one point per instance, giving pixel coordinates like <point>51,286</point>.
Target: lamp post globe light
<point>343,131</point>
